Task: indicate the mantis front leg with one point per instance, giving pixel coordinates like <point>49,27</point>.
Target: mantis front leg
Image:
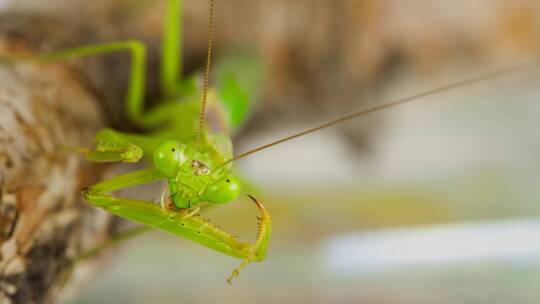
<point>193,228</point>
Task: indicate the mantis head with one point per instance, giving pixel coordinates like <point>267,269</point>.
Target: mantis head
<point>192,176</point>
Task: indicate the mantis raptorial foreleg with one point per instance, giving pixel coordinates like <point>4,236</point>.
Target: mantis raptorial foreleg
<point>193,228</point>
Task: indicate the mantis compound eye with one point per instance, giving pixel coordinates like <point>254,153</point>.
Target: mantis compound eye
<point>223,191</point>
<point>168,157</point>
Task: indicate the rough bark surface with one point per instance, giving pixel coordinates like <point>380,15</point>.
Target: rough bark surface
<point>44,111</point>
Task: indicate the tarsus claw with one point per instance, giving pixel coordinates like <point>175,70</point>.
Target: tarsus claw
<point>262,209</point>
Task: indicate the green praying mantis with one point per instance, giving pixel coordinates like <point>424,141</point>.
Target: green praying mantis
<point>181,149</point>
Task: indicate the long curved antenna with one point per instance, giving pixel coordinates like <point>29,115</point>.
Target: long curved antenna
<point>468,81</point>
<point>200,130</point>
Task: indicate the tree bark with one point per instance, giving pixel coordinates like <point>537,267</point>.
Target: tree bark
<point>45,112</point>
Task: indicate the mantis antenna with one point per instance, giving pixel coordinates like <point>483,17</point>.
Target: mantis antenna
<point>468,81</point>
<point>206,75</point>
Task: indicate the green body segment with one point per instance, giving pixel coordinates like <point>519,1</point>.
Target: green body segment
<point>193,228</point>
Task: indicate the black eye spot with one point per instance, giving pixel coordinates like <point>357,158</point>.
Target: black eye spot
<point>228,180</point>
<point>173,149</point>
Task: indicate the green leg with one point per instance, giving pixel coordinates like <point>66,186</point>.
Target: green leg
<point>115,146</point>
<point>168,114</point>
<point>257,251</point>
<point>173,85</point>
<point>171,47</point>
<point>136,85</point>
<point>135,91</point>
<point>194,228</point>
<point>94,193</point>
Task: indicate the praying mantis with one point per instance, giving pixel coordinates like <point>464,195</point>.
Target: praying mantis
<point>182,150</point>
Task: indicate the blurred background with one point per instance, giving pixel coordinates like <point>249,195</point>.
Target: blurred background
<point>431,202</point>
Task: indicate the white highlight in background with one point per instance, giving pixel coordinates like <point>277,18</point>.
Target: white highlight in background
<point>509,241</point>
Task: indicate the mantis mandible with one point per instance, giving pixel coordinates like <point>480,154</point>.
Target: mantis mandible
<point>180,148</point>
